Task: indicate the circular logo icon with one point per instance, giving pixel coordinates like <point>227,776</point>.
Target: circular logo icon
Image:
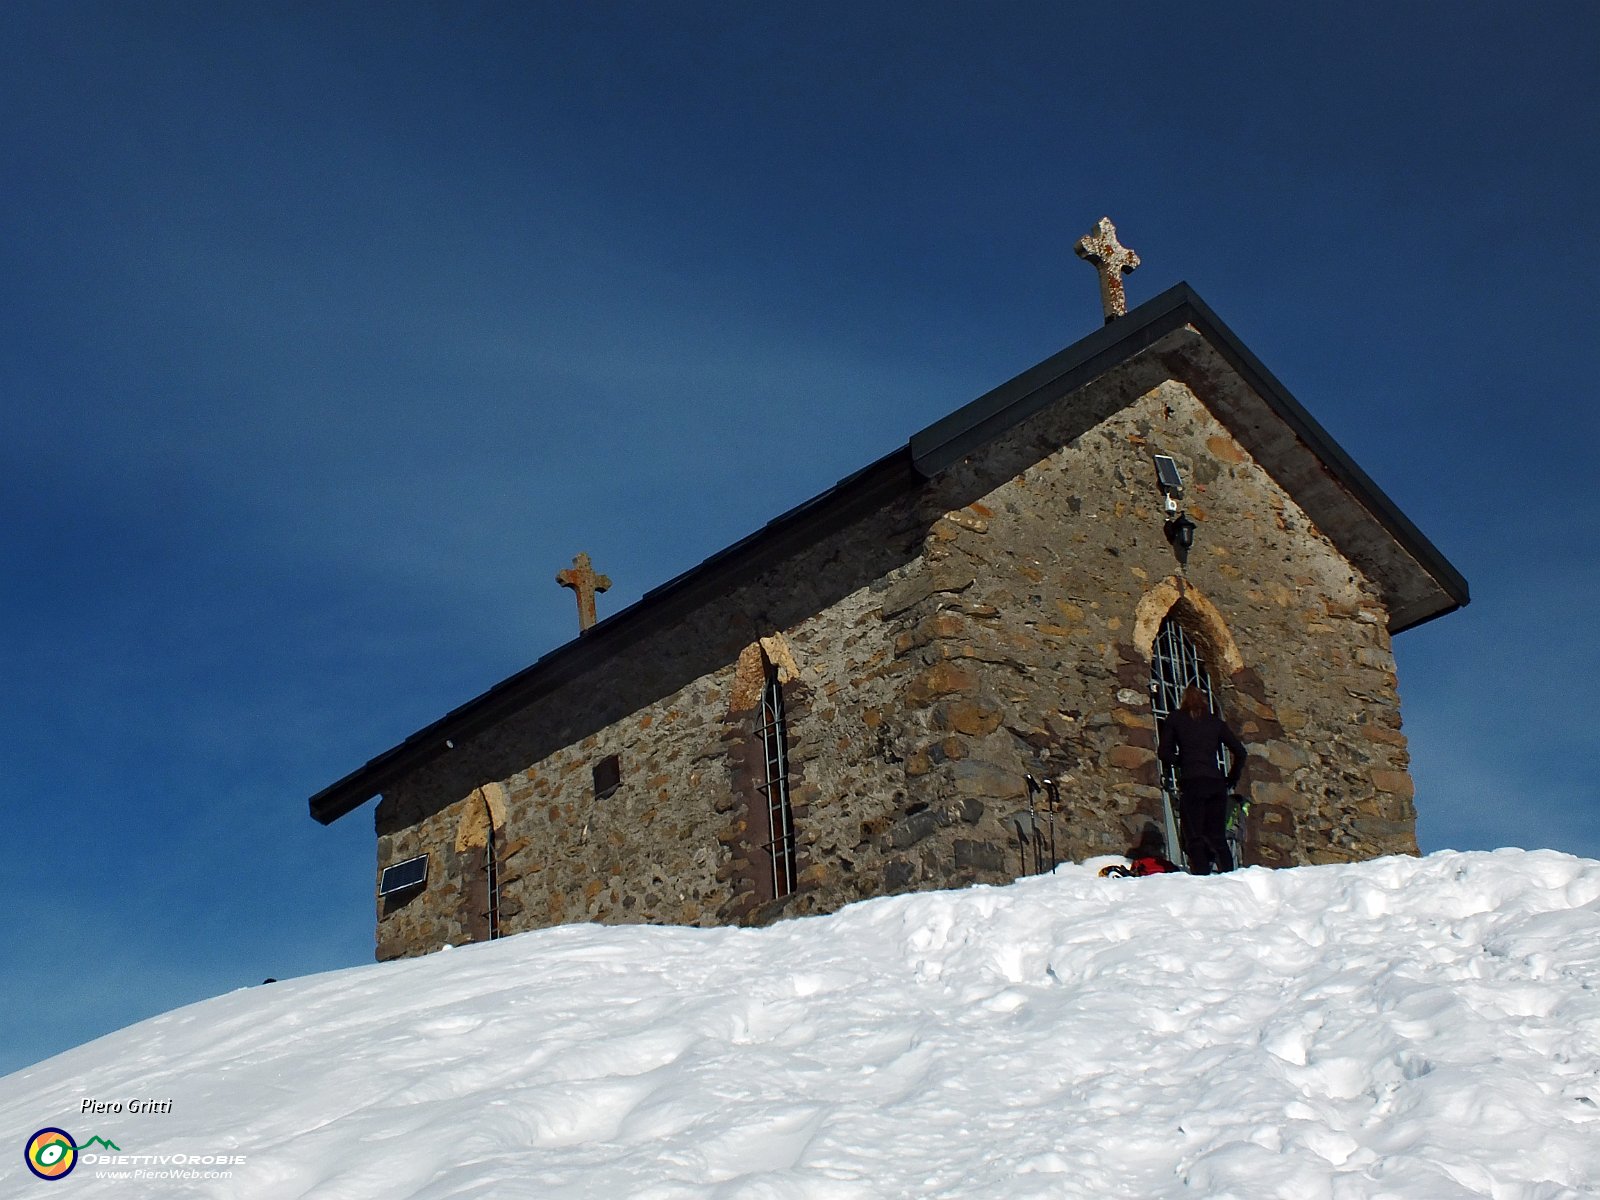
<point>51,1154</point>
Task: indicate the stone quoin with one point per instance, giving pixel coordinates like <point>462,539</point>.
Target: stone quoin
<point>846,703</point>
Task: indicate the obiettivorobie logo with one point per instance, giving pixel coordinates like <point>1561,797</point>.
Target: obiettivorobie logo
<point>51,1154</point>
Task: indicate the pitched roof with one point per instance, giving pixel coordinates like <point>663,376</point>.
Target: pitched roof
<point>1185,340</point>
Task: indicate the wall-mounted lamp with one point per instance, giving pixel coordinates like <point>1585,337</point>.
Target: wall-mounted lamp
<point>1180,532</point>
<point>1178,528</point>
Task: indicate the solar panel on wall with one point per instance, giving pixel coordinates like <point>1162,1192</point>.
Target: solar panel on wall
<point>411,873</point>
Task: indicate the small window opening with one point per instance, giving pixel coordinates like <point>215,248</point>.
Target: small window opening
<point>607,777</point>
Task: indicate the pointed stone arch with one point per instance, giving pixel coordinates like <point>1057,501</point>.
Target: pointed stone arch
<point>480,841</point>
<point>1203,624</point>
<point>769,797</point>
<point>485,813</point>
<point>1177,597</point>
<point>750,672</point>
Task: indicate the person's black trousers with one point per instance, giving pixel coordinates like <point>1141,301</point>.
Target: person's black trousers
<point>1203,815</point>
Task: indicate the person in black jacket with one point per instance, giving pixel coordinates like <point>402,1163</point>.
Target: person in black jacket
<point>1190,740</point>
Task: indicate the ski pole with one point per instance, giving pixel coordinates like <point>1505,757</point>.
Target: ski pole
<point>1052,789</point>
<point>1033,827</point>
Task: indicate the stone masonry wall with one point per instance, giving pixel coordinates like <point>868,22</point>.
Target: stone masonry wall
<point>1026,655</point>
<point>663,847</point>
<point>996,622</point>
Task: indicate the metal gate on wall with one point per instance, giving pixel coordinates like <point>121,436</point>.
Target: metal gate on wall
<point>1175,664</point>
<point>774,734</point>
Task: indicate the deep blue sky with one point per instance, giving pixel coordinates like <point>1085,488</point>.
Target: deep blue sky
<point>333,331</point>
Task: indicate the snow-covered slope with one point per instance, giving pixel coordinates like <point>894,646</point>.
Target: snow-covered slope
<point>1411,1028</point>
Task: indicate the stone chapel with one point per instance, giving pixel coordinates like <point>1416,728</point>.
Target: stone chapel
<point>850,701</point>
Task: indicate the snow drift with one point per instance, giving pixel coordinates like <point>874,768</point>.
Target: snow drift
<point>1404,1028</point>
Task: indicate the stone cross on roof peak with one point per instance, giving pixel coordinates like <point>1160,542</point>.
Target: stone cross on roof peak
<point>1113,260</point>
<point>580,577</point>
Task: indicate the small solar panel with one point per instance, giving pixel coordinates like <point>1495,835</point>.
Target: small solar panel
<point>411,873</point>
<point>1167,473</point>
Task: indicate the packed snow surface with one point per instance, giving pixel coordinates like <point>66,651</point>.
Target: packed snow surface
<point>1404,1027</point>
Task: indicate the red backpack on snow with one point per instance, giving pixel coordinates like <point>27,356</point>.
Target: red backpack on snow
<point>1147,864</point>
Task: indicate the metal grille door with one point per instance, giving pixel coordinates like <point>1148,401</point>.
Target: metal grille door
<point>492,870</point>
<point>1175,664</point>
<point>774,734</point>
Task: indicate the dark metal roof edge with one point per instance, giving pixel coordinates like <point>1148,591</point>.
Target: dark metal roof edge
<point>1344,468</point>
<point>951,438</point>
<point>807,520</point>
<point>929,451</point>
<point>1433,616</point>
<point>967,429</point>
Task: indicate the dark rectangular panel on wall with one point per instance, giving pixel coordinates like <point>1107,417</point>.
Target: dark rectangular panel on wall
<point>409,874</point>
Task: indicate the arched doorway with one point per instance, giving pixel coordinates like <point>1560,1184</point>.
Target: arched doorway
<point>480,845</point>
<point>1175,664</point>
<point>766,694</point>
